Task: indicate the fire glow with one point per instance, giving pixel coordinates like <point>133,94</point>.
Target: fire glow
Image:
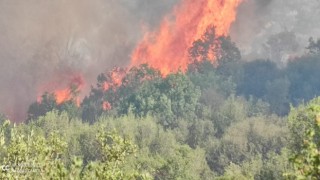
<point>75,85</point>
<point>62,95</point>
<point>167,48</point>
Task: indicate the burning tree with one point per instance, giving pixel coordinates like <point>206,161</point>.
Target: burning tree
<point>167,48</point>
<point>62,100</point>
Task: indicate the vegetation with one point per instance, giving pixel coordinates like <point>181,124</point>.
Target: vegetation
<point>225,120</point>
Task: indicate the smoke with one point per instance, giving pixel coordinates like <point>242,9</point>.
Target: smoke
<point>44,43</point>
<point>260,21</point>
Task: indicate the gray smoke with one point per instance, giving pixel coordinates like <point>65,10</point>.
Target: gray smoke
<point>261,22</point>
<point>44,42</point>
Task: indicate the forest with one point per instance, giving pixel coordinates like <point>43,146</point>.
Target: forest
<point>221,118</point>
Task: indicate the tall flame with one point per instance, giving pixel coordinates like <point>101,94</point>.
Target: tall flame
<point>167,48</point>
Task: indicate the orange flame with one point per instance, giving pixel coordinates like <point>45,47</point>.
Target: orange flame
<point>64,95</point>
<point>167,48</point>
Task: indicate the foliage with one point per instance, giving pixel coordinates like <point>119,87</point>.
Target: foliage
<point>222,119</point>
<point>303,75</point>
<point>48,102</point>
<point>30,155</point>
<point>277,94</point>
<point>114,152</point>
<point>37,109</point>
<point>38,156</point>
<point>305,129</point>
<point>169,99</point>
<point>256,74</point>
<point>246,139</point>
<point>219,53</point>
<point>301,120</point>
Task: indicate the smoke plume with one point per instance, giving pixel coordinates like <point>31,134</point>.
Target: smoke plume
<point>259,22</point>
<point>44,43</point>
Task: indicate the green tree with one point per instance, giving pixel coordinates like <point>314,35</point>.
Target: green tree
<point>304,123</point>
<point>47,103</point>
<point>33,156</point>
<point>169,99</point>
<point>245,140</point>
<point>228,57</point>
<point>114,150</point>
<point>303,73</point>
<point>277,95</point>
<point>30,154</point>
<point>204,75</point>
<point>221,52</point>
<point>255,76</point>
<point>115,89</point>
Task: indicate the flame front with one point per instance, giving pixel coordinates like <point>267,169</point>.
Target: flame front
<point>167,48</point>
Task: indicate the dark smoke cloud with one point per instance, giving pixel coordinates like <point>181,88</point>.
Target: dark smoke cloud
<point>259,21</point>
<point>43,42</point>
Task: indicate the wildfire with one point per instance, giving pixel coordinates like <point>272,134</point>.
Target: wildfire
<point>69,93</point>
<point>62,95</point>
<point>167,48</point>
<point>113,78</point>
<point>111,81</point>
<point>75,84</point>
